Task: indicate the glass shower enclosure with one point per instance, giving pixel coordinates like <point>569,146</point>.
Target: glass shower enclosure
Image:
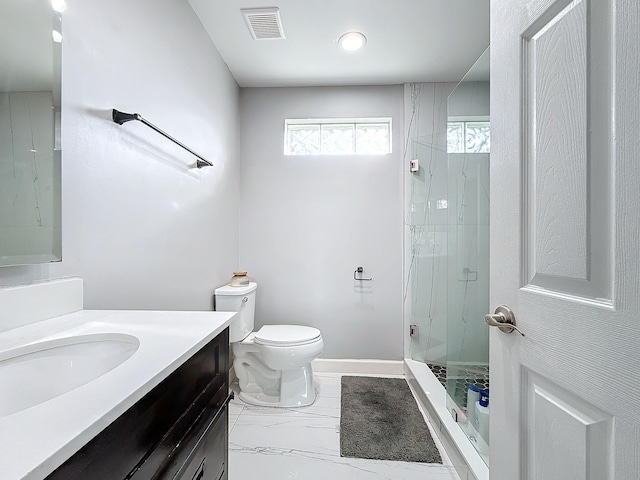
<point>468,151</point>
<point>448,224</point>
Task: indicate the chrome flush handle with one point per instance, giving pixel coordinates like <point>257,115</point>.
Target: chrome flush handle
<point>504,319</point>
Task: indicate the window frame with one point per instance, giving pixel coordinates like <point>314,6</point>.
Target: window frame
<point>321,122</point>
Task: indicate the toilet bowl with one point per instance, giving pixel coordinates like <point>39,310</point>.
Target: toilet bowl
<point>273,365</point>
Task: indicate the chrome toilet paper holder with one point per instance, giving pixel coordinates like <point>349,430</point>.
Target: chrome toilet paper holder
<point>358,271</point>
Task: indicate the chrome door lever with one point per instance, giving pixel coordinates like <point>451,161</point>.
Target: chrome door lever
<point>504,319</point>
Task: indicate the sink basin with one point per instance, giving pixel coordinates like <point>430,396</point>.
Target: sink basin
<point>35,373</point>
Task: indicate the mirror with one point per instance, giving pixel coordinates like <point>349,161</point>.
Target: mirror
<point>30,113</point>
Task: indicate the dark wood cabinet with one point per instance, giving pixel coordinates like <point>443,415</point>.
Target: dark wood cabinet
<point>178,431</point>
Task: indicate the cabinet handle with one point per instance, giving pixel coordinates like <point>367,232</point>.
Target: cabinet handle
<point>221,473</point>
<point>200,473</point>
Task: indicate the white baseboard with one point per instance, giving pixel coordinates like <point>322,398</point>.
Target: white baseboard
<point>357,366</point>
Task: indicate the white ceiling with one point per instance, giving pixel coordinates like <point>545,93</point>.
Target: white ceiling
<point>407,41</point>
<point>480,72</point>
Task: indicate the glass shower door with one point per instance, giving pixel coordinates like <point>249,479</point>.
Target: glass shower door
<point>468,295</point>
<point>427,222</point>
<point>468,146</point>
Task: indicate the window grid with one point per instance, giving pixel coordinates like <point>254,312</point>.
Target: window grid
<point>337,139</point>
<point>304,139</point>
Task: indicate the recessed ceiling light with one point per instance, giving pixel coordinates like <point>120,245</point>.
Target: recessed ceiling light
<point>56,36</point>
<point>352,41</point>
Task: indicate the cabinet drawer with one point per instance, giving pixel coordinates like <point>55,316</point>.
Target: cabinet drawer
<point>208,459</point>
<point>183,447</point>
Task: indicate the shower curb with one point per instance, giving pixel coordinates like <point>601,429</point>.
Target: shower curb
<point>432,397</point>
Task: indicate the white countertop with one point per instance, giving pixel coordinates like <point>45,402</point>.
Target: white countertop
<point>35,441</point>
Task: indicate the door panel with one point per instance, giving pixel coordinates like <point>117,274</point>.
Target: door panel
<point>557,418</point>
<point>567,158</point>
<point>556,74</point>
<point>565,239</point>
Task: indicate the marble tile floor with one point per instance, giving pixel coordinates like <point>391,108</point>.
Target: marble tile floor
<point>304,444</point>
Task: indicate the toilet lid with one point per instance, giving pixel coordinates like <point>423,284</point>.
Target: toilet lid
<point>279,335</point>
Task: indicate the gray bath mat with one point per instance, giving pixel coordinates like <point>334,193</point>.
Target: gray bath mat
<point>380,420</point>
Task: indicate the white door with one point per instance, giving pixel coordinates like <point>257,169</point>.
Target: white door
<point>565,239</point>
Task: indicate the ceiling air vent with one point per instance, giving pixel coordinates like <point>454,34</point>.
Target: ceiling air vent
<point>263,23</point>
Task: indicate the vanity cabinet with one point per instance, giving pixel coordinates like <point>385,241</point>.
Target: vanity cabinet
<point>178,431</point>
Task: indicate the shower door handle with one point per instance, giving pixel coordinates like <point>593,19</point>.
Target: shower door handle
<point>504,319</point>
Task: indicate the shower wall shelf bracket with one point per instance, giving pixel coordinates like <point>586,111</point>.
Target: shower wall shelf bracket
<point>122,117</point>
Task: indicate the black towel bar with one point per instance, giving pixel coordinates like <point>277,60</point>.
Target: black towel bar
<point>122,117</point>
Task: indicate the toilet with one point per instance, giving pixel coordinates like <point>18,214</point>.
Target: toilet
<point>273,365</point>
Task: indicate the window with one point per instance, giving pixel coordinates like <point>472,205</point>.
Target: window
<point>338,137</point>
<point>468,137</point>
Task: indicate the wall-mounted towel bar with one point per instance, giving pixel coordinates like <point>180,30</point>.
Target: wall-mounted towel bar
<point>121,117</point>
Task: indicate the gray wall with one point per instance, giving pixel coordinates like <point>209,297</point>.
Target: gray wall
<point>143,229</point>
<point>307,222</point>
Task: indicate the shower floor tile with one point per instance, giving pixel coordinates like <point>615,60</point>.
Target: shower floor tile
<point>440,371</point>
<point>460,376</point>
<point>304,444</point>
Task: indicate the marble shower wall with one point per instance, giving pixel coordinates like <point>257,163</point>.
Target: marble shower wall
<point>29,178</point>
<point>446,231</point>
<point>468,266</point>
<point>426,220</point>
<point>468,279</point>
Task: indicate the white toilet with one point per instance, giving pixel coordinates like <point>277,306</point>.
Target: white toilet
<point>273,365</point>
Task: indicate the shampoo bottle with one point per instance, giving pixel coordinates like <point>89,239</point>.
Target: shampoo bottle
<point>482,415</point>
<point>473,395</point>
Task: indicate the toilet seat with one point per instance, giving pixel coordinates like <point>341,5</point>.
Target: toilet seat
<point>286,335</point>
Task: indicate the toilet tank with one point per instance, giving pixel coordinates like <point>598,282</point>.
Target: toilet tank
<point>241,300</point>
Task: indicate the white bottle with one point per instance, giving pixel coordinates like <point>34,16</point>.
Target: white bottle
<point>482,415</point>
<point>473,395</point>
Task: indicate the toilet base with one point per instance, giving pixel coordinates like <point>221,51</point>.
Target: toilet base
<point>297,389</point>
